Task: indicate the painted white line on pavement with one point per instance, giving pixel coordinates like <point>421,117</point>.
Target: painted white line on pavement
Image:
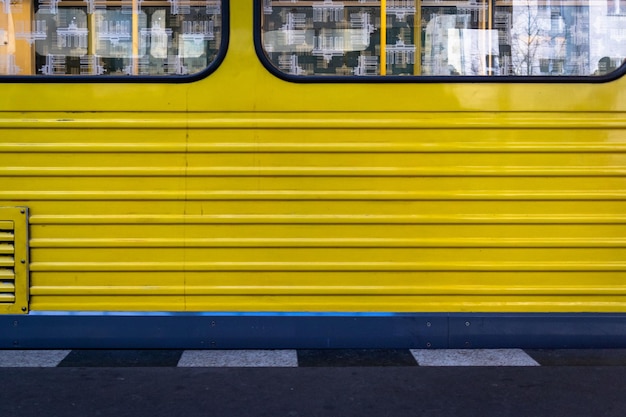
<point>472,357</point>
<point>31,358</point>
<point>237,358</point>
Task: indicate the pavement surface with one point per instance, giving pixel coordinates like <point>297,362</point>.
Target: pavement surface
<point>291,358</point>
<point>298,383</point>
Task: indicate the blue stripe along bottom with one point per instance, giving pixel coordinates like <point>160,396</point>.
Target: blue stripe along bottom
<point>87,330</point>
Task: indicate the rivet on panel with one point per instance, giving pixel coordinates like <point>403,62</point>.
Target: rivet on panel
<point>428,324</point>
<point>467,323</point>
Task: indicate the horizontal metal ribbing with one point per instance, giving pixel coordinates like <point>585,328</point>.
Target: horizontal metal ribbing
<point>329,266</point>
<point>6,287</point>
<point>7,298</point>
<point>382,147</point>
<point>7,274</point>
<point>301,195</point>
<point>327,219</point>
<point>318,120</point>
<point>6,249</point>
<point>6,228</point>
<point>493,242</point>
<point>461,171</point>
<point>7,262</point>
<point>311,290</point>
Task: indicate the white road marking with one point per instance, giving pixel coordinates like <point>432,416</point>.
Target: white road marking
<point>238,358</point>
<point>285,358</point>
<point>31,358</point>
<point>472,357</point>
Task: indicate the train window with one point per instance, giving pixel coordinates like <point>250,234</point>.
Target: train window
<point>110,37</point>
<point>442,38</point>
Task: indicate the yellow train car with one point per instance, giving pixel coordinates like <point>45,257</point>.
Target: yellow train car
<point>405,173</point>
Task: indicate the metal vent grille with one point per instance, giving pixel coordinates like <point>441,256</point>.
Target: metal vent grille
<point>13,260</point>
<point>7,262</point>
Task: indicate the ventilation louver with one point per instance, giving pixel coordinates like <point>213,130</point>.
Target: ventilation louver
<point>13,260</point>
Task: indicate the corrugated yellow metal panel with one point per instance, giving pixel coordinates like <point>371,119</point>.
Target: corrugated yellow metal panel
<point>319,140</point>
<point>418,231</point>
<point>428,303</point>
<point>345,212</point>
<point>320,197</point>
<point>329,258</point>
<point>335,235</point>
<point>238,229</point>
<point>366,242</point>
<point>332,188</point>
<point>409,118</point>
<point>109,303</point>
<point>389,283</point>
<point>317,164</point>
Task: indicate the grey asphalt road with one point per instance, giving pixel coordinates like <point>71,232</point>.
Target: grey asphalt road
<point>556,391</point>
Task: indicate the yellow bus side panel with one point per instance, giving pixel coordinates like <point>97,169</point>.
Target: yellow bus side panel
<point>363,218</point>
<point>244,192</point>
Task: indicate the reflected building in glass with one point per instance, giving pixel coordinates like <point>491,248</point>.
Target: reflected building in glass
<point>102,37</point>
<point>443,37</point>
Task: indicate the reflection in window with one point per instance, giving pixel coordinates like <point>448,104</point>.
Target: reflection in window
<point>616,7</point>
<point>106,37</point>
<point>444,37</point>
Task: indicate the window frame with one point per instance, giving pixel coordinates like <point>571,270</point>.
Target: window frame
<point>137,79</point>
<point>417,79</point>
